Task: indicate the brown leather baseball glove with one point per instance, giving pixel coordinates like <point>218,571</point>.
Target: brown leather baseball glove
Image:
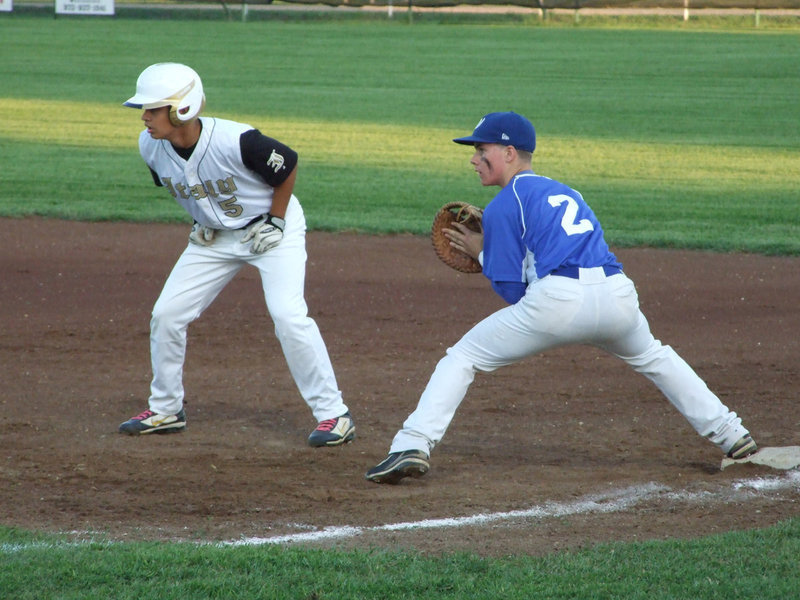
<point>455,212</point>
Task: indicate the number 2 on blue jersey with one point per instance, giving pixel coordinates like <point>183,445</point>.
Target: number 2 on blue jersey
<point>568,223</point>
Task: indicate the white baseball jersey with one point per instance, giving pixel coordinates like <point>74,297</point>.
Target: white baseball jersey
<point>211,181</point>
<point>225,181</point>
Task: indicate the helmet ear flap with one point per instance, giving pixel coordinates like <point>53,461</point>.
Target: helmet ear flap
<point>188,108</point>
<point>173,116</point>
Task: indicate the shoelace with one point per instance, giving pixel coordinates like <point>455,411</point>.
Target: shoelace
<point>145,415</point>
<point>327,424</point>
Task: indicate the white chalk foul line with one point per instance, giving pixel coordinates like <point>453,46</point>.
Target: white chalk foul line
<point>608,502</point>
<point>790,480</point>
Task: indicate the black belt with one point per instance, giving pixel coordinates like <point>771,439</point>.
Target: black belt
<point>575,272</point>
<point>251,222</point>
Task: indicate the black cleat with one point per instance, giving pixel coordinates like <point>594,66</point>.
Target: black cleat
<point>743,448</point>
<point>409,463</point>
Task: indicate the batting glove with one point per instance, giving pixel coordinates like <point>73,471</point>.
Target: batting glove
<point>265,233</point>
<point>202,235</point>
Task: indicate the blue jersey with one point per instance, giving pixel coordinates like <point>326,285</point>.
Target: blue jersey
<point>535,226</point>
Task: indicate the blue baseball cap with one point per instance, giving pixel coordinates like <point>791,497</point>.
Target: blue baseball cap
<point>507,128</point>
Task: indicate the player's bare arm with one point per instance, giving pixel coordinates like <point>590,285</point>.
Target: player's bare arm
<point>282,194</point>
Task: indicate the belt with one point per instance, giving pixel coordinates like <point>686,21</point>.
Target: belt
<point>575,272</point>
<point>251,222</point>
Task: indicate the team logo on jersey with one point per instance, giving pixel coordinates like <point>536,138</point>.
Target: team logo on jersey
<point>223,187</point>
<point>275,161</point>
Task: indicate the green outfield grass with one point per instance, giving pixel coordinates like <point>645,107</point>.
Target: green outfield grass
<point>676,138</point>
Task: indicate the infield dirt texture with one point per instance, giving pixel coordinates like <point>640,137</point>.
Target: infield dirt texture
<point>552,431</point>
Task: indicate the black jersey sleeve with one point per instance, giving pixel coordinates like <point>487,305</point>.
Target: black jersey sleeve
<point>156,179</point>
<point>266,156</point>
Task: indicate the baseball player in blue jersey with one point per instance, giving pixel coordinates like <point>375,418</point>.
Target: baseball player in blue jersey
<point>543,250</point>
<point>237,184</point>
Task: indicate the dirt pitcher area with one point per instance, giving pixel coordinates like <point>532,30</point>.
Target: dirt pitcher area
<point>561,451</point>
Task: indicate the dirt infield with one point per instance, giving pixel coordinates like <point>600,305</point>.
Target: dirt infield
<point>552,431</point>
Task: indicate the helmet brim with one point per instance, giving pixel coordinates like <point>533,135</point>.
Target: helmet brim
<point>144,101</point>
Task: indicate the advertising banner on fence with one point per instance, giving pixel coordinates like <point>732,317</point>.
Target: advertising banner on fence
<point>84,7</point>
<point>6,5</point>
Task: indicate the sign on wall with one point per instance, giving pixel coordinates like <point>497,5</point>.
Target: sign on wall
<point>84,7</point>
<point>6,5</point>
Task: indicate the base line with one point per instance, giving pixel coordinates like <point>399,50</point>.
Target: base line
<point>607,502</point>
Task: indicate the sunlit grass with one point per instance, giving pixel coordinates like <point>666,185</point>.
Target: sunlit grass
<point>94,125</point>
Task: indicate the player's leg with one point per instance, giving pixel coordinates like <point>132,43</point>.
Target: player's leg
<point>196,279</point>
<point>630,339</point>
<point>543,319</point>
<point>526,328</point>
<point>282,272</point>
<point>554,312</point>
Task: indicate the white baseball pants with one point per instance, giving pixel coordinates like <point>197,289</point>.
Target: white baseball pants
<point>199,276</point>
<point>557,311</point>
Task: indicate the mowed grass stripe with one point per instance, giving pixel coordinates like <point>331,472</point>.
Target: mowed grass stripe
<point>93,125</point>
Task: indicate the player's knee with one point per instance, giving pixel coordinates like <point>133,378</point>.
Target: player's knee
<point>648,360</point>
<point>288,315</point>
<point>166,316</point>
<point>456,359</point>
<point>289,325</point>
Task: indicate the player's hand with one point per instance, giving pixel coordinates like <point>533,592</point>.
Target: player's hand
<point>265,234</point>
<point>464,239</point>
<point>202,235</point>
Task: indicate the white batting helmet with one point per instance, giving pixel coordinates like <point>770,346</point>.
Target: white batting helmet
<point>170,84</point>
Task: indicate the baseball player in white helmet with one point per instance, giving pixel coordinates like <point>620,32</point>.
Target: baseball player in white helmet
<point>543,250</point>
<point>236,184</point>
